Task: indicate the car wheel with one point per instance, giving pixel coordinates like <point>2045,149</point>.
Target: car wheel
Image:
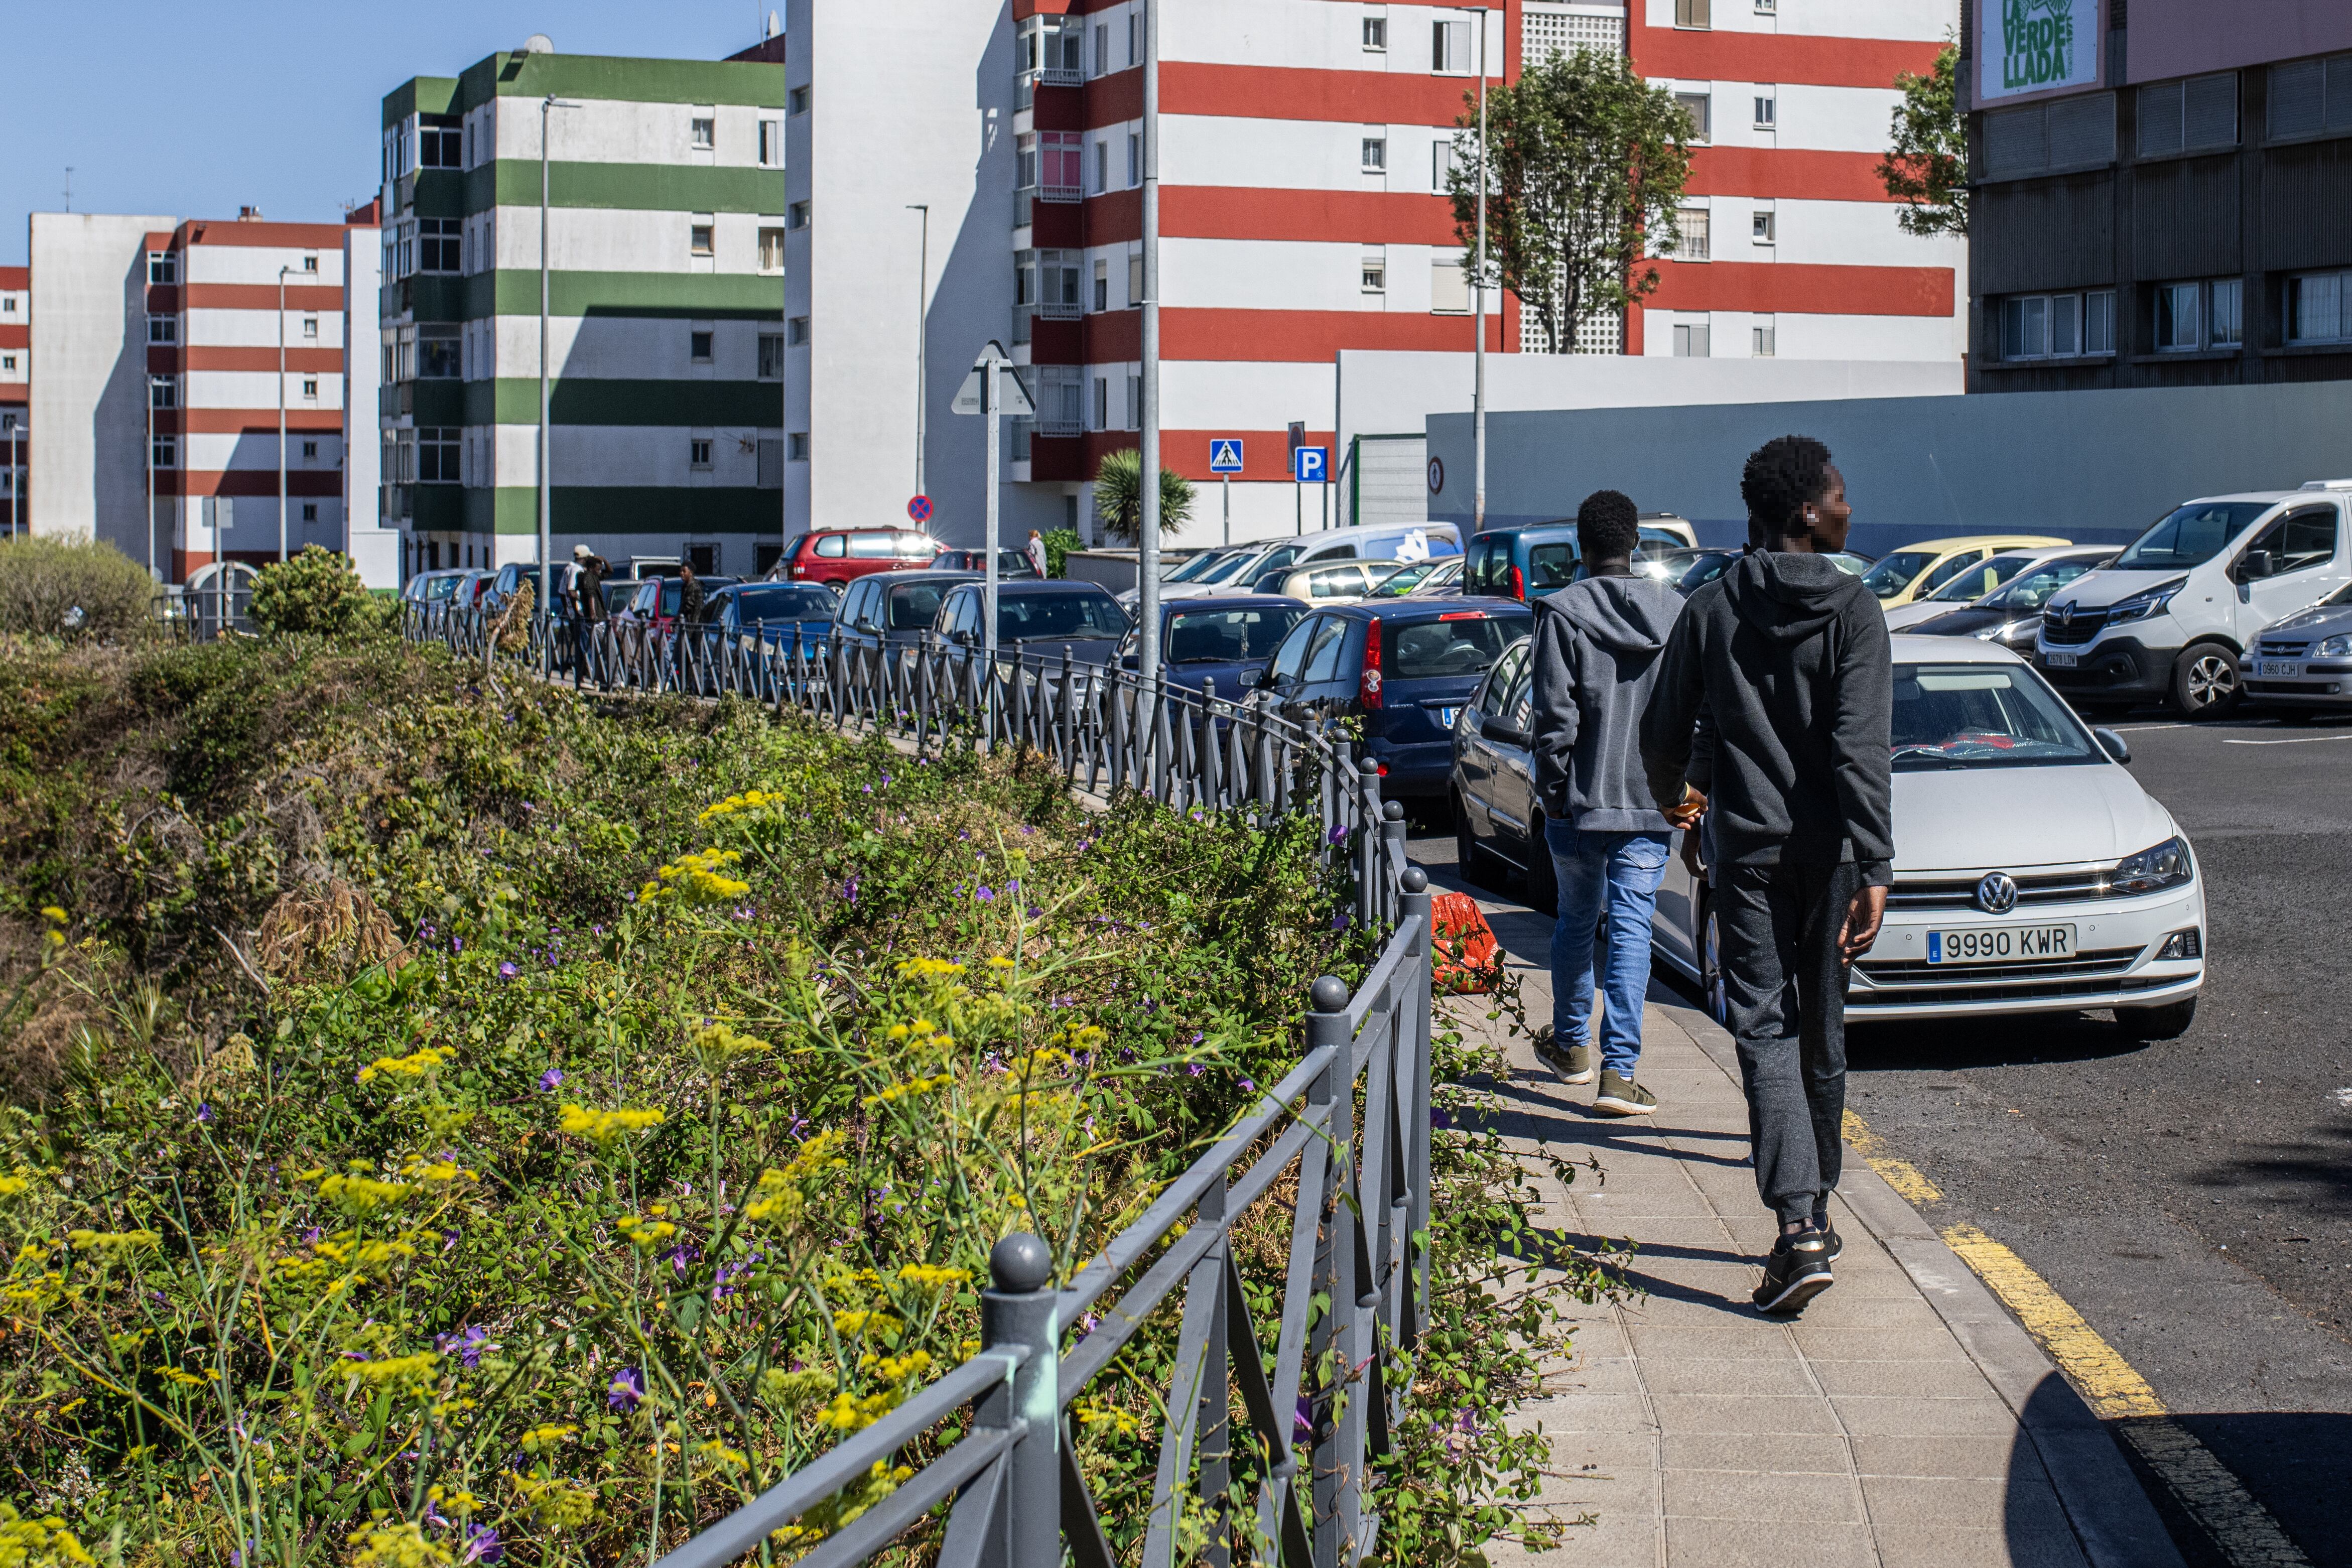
<point>835,589</point>
<point>1543,876</point>
<point>1475,865</point>
<point>1710,970</point>
<point>2168,1022</point>
<point>2204,680</point>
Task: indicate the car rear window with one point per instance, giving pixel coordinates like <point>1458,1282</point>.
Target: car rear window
<point>1212,636</point>
<point>1459,642</point>
<point>783,604</point>
<point>828,545</point>
<point>1027,616</point>
<point>915,606</point>
<point>1550,566</point>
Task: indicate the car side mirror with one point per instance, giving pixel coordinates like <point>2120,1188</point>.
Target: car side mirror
<point>1127,661</point>
<point>1508,735</point>
<point>2113,744</point>
<point>2258,564</point>
<point>1263,680</point>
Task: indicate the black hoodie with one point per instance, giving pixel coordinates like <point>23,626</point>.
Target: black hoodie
<point>1596,656</point>
<point>1786,658</point>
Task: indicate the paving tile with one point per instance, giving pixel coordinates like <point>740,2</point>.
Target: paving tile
<point>1918,1380</point>
<point>1780,1453</point>
<point>1664,1376</point>
<point>1609,1542</point>
<point>1681,1307</point>
<point>1597,1413</point>
<point>1828,1343</point>
<point>1836,1308</point>
<point>1924,1418</point>
<point>1762,1498</point>
<point>1980,1458</point>
<point>2028,1505</point>
<point>1609,1456</point>
<point>1902,1546</point>
<point>1752,1340</point>
<point>1734,1413</point>
<point>1735,1543</point>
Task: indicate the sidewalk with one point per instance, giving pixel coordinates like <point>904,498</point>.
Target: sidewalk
<point>1905,1419</point>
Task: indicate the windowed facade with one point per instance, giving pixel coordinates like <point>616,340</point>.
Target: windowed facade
<point>1450,46</point>
<point>162,329</point>
<point>1696,241</point>
<point>2058,326</point>
<point>1061,166</point>
<point>1376,33</point>
<point>1763,338</point>
<point>440,245</point>
<point>162,390</point>
<point>771,356</point>
<point>163,267</point>
<point>437,447</point>
<point>703,133</point>
<point>1694,14</point>
<point>1376,154</point>
<point>1768,111</point>
<point>440,351</point>
<point>771,248</point>
<point>698,452</point>
<point>2319,307</point>
<point>2189,317</point>
<point>702,235</point>
<point>1763,227</point>
<point>698,344</point>
<point>1375,269</point>
<point>771,144</point>
<point>166,452</point>
<point>1692,340</point>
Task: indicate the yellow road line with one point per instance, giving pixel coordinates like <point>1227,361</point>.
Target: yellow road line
<point>2106,1381</point>
<point>1906,1178</point>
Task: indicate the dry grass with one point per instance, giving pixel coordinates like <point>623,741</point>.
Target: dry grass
<point>329,929</point>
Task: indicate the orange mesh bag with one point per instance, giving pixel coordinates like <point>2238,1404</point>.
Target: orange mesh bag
<point>1468,958</point>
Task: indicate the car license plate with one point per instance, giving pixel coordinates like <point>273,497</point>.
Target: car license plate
<point>2059,661</point>
<point>2278,668</point>
<point>2001,945</point>
<point>1445,717</point>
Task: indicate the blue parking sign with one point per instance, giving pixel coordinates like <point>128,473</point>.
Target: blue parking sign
<point>1311,465</point>
<point>1224,455</point>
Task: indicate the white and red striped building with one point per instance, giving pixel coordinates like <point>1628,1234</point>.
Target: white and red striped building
<point>16,395</point>
<point>1302,158</point>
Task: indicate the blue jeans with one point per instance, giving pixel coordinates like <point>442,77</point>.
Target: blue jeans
<point>1618,872</point>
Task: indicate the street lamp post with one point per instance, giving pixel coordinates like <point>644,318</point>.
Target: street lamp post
<point>1146,649</point>
<point>1478,391</point>
<point>922,313</point>
<point>546,549</point>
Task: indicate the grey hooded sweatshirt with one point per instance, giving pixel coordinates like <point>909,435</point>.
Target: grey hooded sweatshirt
<point>1783,662</point>
<point>1596,657</point>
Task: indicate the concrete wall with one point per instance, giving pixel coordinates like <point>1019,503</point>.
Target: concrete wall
<point>2184,37</point>
<point>2091,466</point>
<point>374,549</point>
<point>89,402</point>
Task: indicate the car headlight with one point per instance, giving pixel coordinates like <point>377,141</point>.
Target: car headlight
<point>2141,605</point>
<point>2333,647</point>
<point>2151,871</point>
<point>2019,631</point>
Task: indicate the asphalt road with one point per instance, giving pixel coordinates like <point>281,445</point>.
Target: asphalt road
<point>2191,1198</point>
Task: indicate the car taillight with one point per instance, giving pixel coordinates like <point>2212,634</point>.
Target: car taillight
<point>1368,685</point>
<point>1518,583</point>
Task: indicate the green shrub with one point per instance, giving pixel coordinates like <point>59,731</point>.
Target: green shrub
<point>317,591</point>
<point>73,588</point>
<point>1119,497</point>
<point>1060,542</point>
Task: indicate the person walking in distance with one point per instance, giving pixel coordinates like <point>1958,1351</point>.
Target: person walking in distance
<point>1784,661</point>
<point>1596,657</point>
<point>1036,548</point>
<point>589,571</point>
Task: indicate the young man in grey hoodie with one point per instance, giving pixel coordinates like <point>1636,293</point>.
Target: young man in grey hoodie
<point>1596,657</point>
<point>1780,670</point>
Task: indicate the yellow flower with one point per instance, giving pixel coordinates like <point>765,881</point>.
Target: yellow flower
<point>539,1440</point>
<point>896,1368</point>
<point>861,1323</point>
<point>645,1233</point>
<point>717,1043</point>
<point>409,1373</point>
<point>697,878</point>
<point>1097,1418</point>
<point>113,1245</point>
<point>719,1454</point>
<point>395,1546</point>
<point>923,968</point>
<point>416,1064</point>
<point>52,913</point>
<point>38,1542</point>
<point>356,1195</point>
<point>913,1086</point>
<point>554,1504</point>
<point>601,1127</point>
<point>782,1390</point>
<point>926,1277</point>
<point>11,1185</point>
<point>847,1414</point>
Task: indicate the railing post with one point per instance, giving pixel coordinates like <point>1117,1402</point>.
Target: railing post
<point>1393,833</point>
<point>1413,901</point>
<point>1019,1309</point>
<point>1370,853</point>
<point>1336,1466</point>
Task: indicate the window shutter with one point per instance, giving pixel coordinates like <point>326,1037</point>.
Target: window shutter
<point>2297,91</point>
<point>2160,118</point>
<point>2082,131</point>
<point>2016,143</point>
<point>2210,111</point>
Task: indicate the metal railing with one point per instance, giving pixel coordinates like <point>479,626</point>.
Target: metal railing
<point>1319,1402</point>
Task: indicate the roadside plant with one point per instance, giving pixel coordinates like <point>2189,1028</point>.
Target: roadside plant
<point>76,589</point>
<point>317,591</point>
<point>1119,497</point>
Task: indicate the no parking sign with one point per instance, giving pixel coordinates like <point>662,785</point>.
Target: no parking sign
<point>920,509</point>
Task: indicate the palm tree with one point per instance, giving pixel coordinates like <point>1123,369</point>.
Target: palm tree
<point>1119,497</point>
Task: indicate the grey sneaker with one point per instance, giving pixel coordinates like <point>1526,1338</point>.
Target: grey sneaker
<point>1622,1096</point>
<point>1573,1065</point>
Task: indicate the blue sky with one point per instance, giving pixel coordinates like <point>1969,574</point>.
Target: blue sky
<point>199,107</point>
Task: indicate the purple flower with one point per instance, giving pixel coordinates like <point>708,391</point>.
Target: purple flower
<point>986,895</point>
<point>1034,911</point>
<point>628,1388</point>
<point>680,1256</point>
<point>849,889</point>
<point>456,944</point>
<point>469,1345</point>
<point>1193,1069</point>
<point>1339,835</point>
<point>482,1546</point>
<point>449,1240</point>
<point>204,1114</point>
<point>507,971</point>
<point>1340,920</point>
<point>1248,1086</point>
<point>549,1079</point>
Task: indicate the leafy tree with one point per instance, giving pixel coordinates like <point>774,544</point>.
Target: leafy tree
<point>73,588</point>
<point>315,591</point>
<point>1119,497</point>
<point>1587,167</point>
<point>1926,165</point>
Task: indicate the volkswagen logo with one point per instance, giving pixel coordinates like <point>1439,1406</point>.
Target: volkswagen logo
<point>1997,894</point>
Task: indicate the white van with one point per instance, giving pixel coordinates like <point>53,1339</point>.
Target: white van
<point>1280,557</point>
<point>2170,616</point>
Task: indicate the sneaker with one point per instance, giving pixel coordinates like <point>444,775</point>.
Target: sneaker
<point>1573,1065</point>
<point>1798,1270</point>
<point>1622,1095</point>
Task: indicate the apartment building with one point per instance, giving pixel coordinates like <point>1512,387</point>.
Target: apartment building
<point>665,247</point>
<point>1302,164</point>
<point>15,392</point>
<point>2160,194</point>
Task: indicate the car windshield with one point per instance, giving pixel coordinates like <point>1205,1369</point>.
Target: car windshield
<point>2031,588</point>
<point>2341,596</point>
<point>1893,572</point>
<point>913,606</point>
<point>1982,716</point>
<point>784,604</point>
<point>1192,568</point>
<point>2190,536</point>
<point>1226,568</point>
<point>1228,636</point>
<point>1850,563</point>
<point>1458,642</point>
<point>439,587</point>
<point>1406,578</point>
<point>1978,580</point>
<point>1022,617</point>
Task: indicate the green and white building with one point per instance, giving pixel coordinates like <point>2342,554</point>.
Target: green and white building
<point>665,246</point>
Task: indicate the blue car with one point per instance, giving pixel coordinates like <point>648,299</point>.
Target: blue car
<point>1537,558</point>
<point>1226,638</point>
<point>1403,667</point>
<point>893,609</point>
<point>778,613</point>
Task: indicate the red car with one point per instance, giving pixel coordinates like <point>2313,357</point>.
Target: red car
<point>836,556</point>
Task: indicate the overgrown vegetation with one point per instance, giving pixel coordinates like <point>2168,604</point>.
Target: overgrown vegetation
<point>453,1122</point>
<point>317,591</point>
<point>77,589</point>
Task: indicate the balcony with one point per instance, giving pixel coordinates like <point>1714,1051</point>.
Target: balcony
<point>1061,310</point>
<point>1070,193</point>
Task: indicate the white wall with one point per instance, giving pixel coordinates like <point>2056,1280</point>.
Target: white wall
<point>374,549</point>
<point>89,405</point>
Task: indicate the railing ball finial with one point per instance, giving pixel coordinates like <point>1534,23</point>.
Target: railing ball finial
<point>1392,810</point>
<point>1414,879</point>
<point>1019,1264</point>
<point>1329,994</point>
<point>1369,767</point>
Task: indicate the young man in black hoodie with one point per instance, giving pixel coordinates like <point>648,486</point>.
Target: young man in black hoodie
<point>1772,713</point>
<point>1596,657</point>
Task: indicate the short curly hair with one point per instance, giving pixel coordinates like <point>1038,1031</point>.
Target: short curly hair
<point>1781,478</point>
<point>1607,526</point>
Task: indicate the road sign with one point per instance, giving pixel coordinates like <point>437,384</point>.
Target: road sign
<point>970,397</point>
<point>1224,455</point>
<point>920,509</point>
<point>1311,465</point>
<point>1437,475</point>
<point>1298,434</point>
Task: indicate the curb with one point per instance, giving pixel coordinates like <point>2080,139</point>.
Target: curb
<point>2116,1524</point>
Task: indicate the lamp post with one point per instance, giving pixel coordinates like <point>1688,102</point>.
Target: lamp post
<point>1478,391</point>
<point>282,274</point>
<point>922,313</point>
<point>546,550</point>
<point>1147,645</point>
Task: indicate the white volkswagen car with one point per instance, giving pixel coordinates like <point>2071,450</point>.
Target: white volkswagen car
<point>2031,872</point>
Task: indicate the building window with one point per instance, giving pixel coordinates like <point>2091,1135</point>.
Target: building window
<point>796,331</point>
<point>8,361</point>
<point>1102,49</point>
<point>1134,279</point>
<point>309,264</point>
<point>1449,48</point>
<point>1061,174</point>
<point>1101,420</point>
<point>310,511</point>
<point>698,452</point>
<point>1762,228</point>
<point>2311,98</point>
<point>1056,286</point>
<point>1695,241</point>
<point>1700,107</point>
<point>440,143</point>
<point>310,388</point>
<point>796,447</point>
<point>1766,8</point>
<point>2314,307</point>
<point>1375,271</point>
<point>1376,154</point>
<point>2225,317</point>
<point>2076,132</point>
<point>1691,340</point>
<point>1134,160</point>
<point>1134,40</point>
<point>1134,401</point>
<point>701,235</point>
<point>703,132</point>
<point>797,101</point>
<point>1441,166</point>
<point>2058,326</point>
<point>1692,14</point>
<point>309,326</point>
<point>772,250</point>
<point>771,144</point>
<point>440,245</point>
<point>166,452</point>
<point>437,454</point>
<point>162,390</point>
<point>1102,284</point>
<point>1763,338</point>
<point>2189,116</point>
<point>2175,318</point>
<point>163,267</point>
<point>440,351</point>
<point>1376,33</point>
<point>309,451</point>
<point>1768,111</point>
<point>162,329</point>
<point>771,356</point>
<point>1449,286</point>
<point>1102,167</point>
<point>697,345</point>
<point>797,215</point>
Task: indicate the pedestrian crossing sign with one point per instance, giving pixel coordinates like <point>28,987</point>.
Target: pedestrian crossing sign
<point>1224,455</point>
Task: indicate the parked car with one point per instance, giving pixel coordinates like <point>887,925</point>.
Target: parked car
<point>1421,579</point>
<point>890,609</point>
<point>2011,613</point>
<point>1662,526</point>
<point>433,587</point>
<point>1523,563</point>
<point>1010,563</point>
<point>655,605</point>
<point>1037,620</point>
<point>839,556</point>
<point>1700,567</point>
<point>1229,573</point>
<point>2304,663</point>
<point>1227,639</point>
<point>1902,576</point>
<point>2173,614</point>
<point>1973,583</point>
<point>2031,872</point>
<point>780,614</point>
<point>1262,571</point>
<point>1331,582</point>
<point>1191,568</point>
<point>1403,667</point>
